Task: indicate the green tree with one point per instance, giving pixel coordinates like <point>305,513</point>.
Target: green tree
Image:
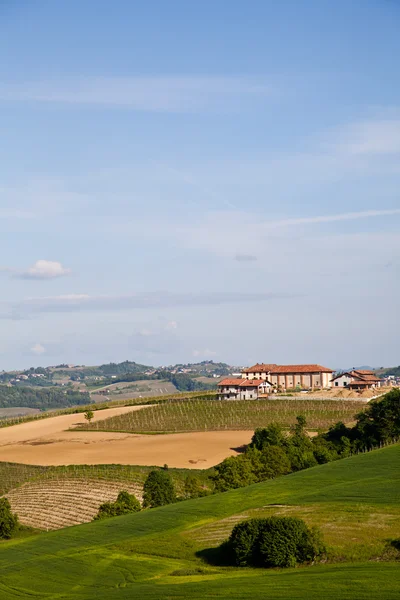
<point>269,463</point>
<point>158,489</point>
<point>233,472</point>
<point>124,504</point>
<point>89,415</point>
<point>8,519</point>
<point>272,435</point>
<point>275,542</point>
<point>193,487</point>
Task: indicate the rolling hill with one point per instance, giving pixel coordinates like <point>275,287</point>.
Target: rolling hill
<point>160,553</point>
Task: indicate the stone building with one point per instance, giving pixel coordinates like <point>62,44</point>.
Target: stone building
<point>291,376</point>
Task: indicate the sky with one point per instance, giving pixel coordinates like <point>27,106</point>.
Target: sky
<point>183,181</point>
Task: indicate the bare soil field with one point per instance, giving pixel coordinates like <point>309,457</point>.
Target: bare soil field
<point>49,442</point>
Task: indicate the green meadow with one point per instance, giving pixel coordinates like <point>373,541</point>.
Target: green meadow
<point>169,552</point>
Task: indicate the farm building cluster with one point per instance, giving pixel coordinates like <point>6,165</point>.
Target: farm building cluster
<point>262,379</point>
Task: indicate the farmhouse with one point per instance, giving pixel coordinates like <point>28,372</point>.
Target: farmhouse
<point>290,376</point>
<point>232,388</point>
<point>357,380</point>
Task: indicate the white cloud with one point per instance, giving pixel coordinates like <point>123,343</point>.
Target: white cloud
<point>171,325</point>
<point>45,269</point>
<point>38,349</point>
<point>162,94</point>
<point>148,300</point>
<point>364,214</point>
<point>369,137</point>
<point>245,257</point>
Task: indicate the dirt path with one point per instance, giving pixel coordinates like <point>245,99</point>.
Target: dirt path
<point>47,442</point>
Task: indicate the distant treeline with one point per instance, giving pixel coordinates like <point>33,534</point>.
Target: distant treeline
<point>395,371</point>
<point>106,370</point>
<point>41,398</point>
<point>182,381</point>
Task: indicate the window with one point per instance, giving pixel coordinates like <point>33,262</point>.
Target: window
<point>336,383</point>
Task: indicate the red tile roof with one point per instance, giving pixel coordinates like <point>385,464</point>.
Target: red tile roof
<point>230,381</point>
<point>361,375</point>
<point>302,369</point>
<point>254,382</point>
<point>281,369</point>
<point>260,368</point>
<point>242,382</point>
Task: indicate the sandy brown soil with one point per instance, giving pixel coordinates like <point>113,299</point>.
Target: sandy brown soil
<point>47,442</point>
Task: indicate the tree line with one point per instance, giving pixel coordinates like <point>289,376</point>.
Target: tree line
<point>41,398</point>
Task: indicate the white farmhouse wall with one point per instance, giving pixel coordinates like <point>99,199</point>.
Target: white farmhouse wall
<point>342,381</point>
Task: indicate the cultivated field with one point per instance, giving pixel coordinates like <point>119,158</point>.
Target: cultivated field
<point>163,553</point>
<point>51,441</point>
<point>56,504</point>
<point>215,415</point>
<point>137,389</point>
<point>17,411</point>
<point>55,497</point>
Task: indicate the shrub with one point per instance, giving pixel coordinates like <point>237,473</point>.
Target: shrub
<point>158,489</point>
<point>274,542</point>
<point>8,520</point>
<point>268,463</point>
<point>268,436</point>
<point>124,504</point>
<point>234,472</point>
<point>193,487</point>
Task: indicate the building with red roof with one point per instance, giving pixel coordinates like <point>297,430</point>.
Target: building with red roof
<point>306,376</point>
<point>357,379</point>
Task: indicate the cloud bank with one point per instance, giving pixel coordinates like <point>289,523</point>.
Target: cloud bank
<point>158,94</point>
<point>149,300</point>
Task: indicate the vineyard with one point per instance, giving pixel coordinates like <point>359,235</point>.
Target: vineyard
<point>9,421</point>
<point>214,415</point>
<point>56,497</point>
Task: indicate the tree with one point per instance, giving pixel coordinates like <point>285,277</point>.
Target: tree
<point>158,489</point>
<point>193,487</point>
<point>89,415</point>
<point>233,472</point>
<point>269,463</point>
<point>379,423</point>
<point>268,436</point>
<point>8,519</point>
<point>124,504</point>
<point>274,542</point>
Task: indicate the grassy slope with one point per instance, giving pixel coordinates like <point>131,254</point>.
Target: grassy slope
<point>147,555</point>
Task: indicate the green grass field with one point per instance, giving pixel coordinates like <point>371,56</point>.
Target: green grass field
<point>155,554</point>
<point>205,415</point>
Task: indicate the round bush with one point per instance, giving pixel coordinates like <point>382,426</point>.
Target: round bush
<point>274,542</point>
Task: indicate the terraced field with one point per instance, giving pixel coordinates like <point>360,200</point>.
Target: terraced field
<point>54,504</point>
<point>56,497</point>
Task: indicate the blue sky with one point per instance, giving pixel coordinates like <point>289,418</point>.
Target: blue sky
<point>183,181</point>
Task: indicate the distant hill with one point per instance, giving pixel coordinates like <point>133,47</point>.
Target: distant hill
<point>384,372</point>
